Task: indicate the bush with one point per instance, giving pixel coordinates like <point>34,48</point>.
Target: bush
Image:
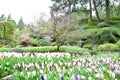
<point>114,22</point>
<point>93,23</point>
<point>17,50</point>
<point>4,49</point>
<point>41,42</point>
<point>88,46</point>
<point>118,43</point>
<point>93,52</point>
<point>108,47</point>
<point>102,24</point>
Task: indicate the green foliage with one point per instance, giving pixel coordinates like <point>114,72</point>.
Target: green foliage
<point>40,49</point>
<point>69,49</point>
<point>17,67</point>
<point>40,42</point>
<point>88,46</point>
<point>93,52</point>
<point>43,42</point>
<point>17,50</point>
<point>7,29</point>
<point>20,24</point>
<point>108,47</point>
<point>118,43</point>
<point>73,49</point>
<point>4,49</point>
<point>117,23</point>
<point>115,18</point>
<point>92,23</point>
<point>102,24</point>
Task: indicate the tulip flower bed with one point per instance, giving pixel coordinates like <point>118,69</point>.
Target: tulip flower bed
<point>60,66</point>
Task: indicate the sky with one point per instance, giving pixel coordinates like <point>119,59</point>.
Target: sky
<point>27,9</point>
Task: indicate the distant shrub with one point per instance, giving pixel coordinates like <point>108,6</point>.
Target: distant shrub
<point>93,52</point>
<point>93,23</point>
<point>108,47</point>
<point>40,42</point>
<point>88,46</point>
<point>71,42</point>
<point>33,42</point>
<point>114,22</point>
<point>102,24</point>
<point>18,50</point>
<point>115,18</point>
<point>4,49</point>
<point>43,42</point>
<point>118,43</point>
<point>83,20</point>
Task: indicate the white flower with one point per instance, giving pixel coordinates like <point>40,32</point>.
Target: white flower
<point>7,63</point>
<point>18,64</point>
<point>28,74</point>
<point>37,66</point>
<point>89,78</point>
<point>33,73</point>
<point>111,74</point>
<point>100,76</point>
<point>41,71</point>
<point>83,77</point>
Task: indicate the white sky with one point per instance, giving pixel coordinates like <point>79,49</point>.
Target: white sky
<point>24,8</point>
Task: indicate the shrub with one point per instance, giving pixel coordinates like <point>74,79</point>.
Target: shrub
<point>4,49</point>
<point>93,52</point>
<point>33,42</point>
<point>18,50</point>
<point>102,24</point>
<point>118,43</point>
<point>93,23</point>
<point>41,42</point>
<point>108,47</point>
<point>114,22</point>
<point>88,46</point>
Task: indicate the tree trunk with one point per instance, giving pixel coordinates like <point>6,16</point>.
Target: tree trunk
<point>69,11</point>
<point>96,11</point>
<point>57,43</point>
<point>4,31</point>
<point>107,2</point>
<point>90,10</point>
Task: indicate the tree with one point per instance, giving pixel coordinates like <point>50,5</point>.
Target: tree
<point>7,26</point>
<point>107,4</point>
<point>96,11</point>
<point>21,24</point>
<point>64,6</point>
<point>90,5</point>
<point>60,28</point>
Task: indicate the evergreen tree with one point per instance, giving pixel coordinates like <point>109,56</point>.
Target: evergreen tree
<point>21,24</point>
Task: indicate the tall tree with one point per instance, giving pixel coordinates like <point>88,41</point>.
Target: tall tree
<point>90,5</point>
<point>107,4</point>
<point>65,6</point>
<point>96,10</point>
<point>20,24</point>
<point>7,27</point>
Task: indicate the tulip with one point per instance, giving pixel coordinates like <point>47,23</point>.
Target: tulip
<point>89,78</point>
<point>118,72</point>
<point>83,77</point>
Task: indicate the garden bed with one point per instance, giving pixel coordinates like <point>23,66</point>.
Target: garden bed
<point>57,66</point>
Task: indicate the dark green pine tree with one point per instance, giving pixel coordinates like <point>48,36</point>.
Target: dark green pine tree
<point>21,24</point>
